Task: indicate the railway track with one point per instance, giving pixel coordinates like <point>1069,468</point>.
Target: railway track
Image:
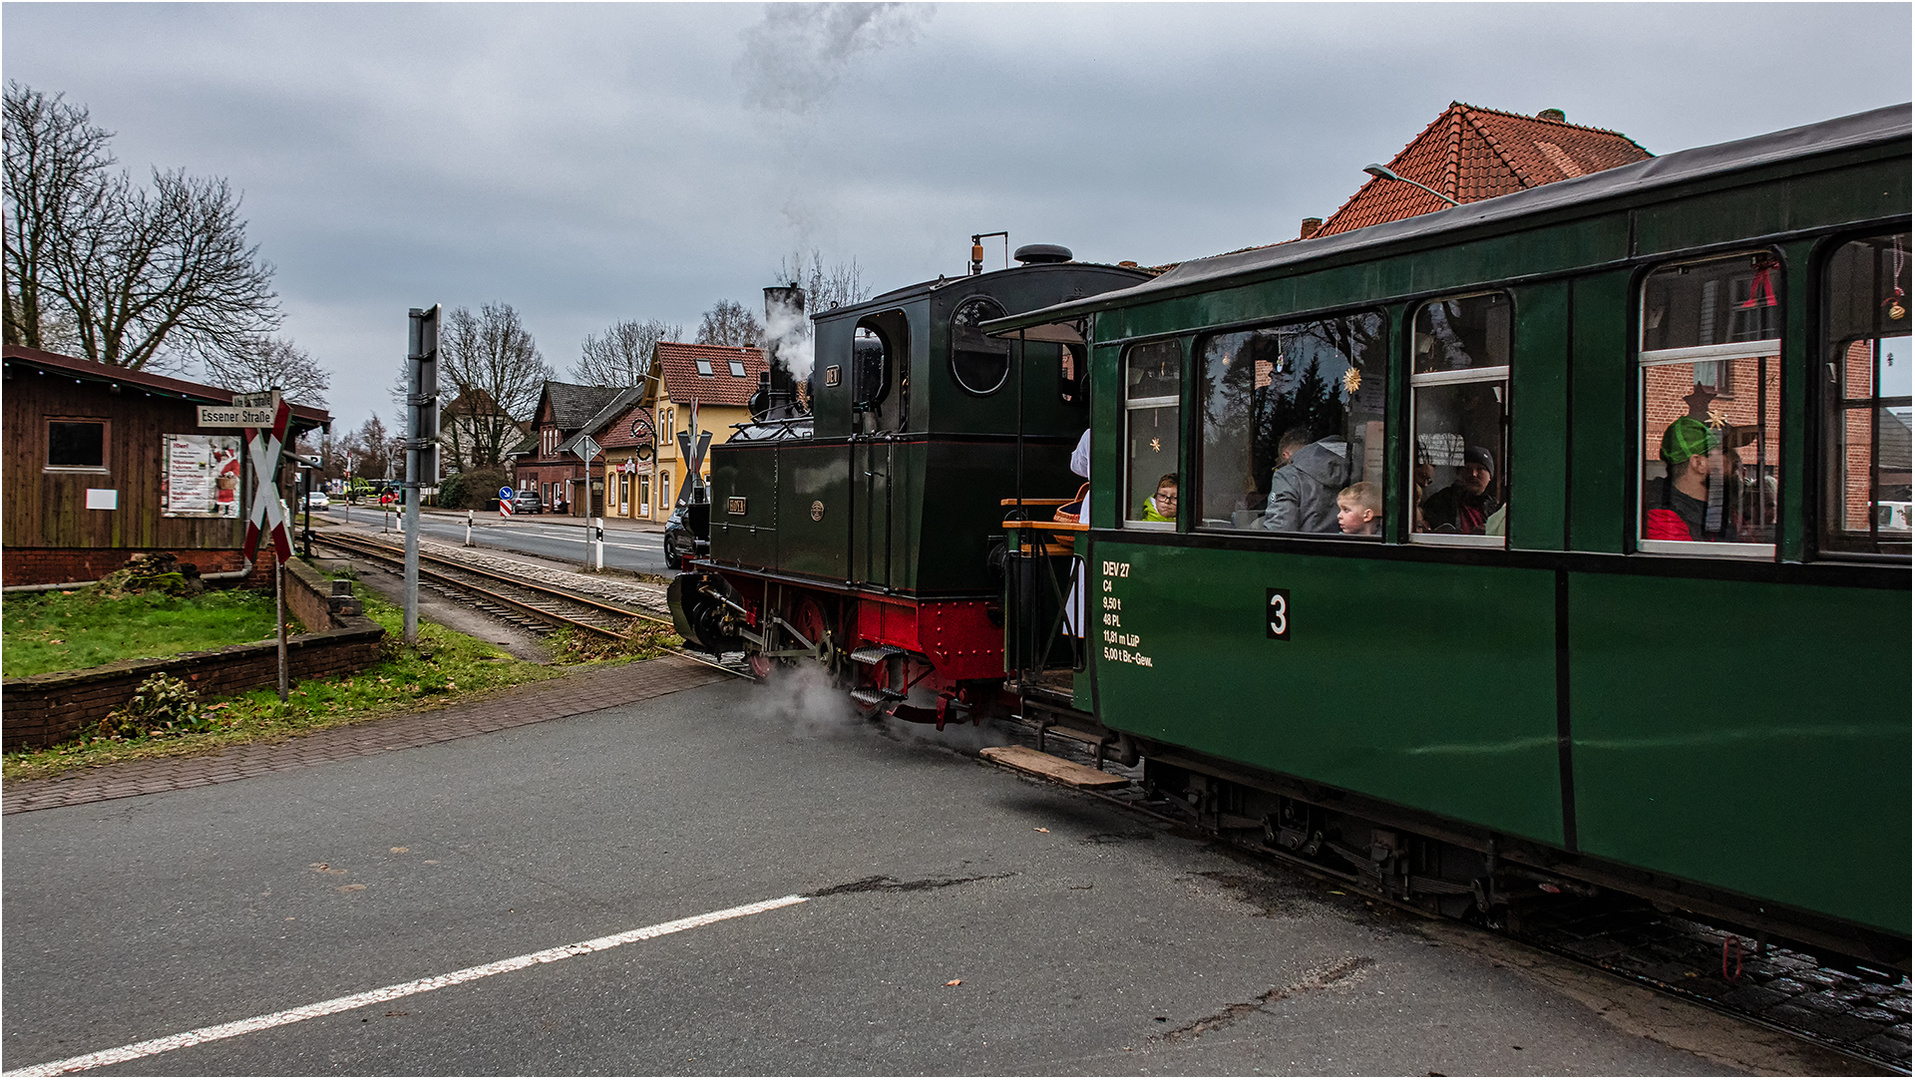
<point>531,605</point>
<point>534,606</point>
<point>1849,1009</point>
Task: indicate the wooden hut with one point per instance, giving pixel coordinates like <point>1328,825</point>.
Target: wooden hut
<point>101,462</point>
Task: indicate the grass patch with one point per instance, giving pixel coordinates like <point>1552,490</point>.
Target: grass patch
<point>644,641</point>
<point>55,631</point>
<point>446,667</point>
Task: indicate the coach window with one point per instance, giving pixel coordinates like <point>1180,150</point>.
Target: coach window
<point>1711,392</point>
<point>1866,399</point>
<point>76,445</point>
<point>1153,379</point>
<point>1292,427</point>
<point>1459,394</point>
<point>979,363</point>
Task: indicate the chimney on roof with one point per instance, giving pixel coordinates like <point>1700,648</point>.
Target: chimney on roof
<point>1553,115</point>
<point>1311,226</point>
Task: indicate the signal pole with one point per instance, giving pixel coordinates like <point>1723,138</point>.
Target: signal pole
<point>422,442</point>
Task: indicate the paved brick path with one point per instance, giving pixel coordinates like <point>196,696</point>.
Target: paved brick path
<point>568,695</point>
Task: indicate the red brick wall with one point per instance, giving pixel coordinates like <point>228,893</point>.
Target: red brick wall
<point>1856,429</point>
<point>49,566</point>
<point>42,710</point>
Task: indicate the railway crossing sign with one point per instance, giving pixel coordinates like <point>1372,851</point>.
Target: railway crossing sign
<point>694,457</point>
<point>505,502</point>
<point>263,446</point>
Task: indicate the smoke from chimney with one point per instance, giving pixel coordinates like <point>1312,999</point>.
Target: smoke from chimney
<point>788,352</point>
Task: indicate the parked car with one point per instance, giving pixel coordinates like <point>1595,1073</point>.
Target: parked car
<point>527,502</point>
<point>316,500</point>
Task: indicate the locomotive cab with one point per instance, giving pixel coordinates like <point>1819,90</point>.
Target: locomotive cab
<point>860,537</point>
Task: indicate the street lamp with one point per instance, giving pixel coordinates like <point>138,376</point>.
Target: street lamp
<point>1383,173</point>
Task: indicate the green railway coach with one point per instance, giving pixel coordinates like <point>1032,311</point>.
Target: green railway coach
<point>1568,528</point>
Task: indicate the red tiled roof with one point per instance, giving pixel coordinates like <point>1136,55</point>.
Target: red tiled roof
<point>1470,154</point>
<point>304,416</point>
<point>678,363</point>
<point>616,434</point>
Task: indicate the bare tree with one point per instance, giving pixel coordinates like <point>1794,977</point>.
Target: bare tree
<point>623,355</point>
<point>264,363</point>
<point>147,273</point>
<point>490,377</point>
<point>825,287</point>
<point>730,323</point>
<point>372,449</point>
<point>56,162</point>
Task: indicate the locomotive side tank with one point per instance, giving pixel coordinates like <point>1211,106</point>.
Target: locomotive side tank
<point>860,535</point>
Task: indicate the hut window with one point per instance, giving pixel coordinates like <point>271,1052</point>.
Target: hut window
<point>1711,396</point>
<point>76,444</point>
<point>1459,393</point>
<point>1153,440</point>
<point>1865,392</point>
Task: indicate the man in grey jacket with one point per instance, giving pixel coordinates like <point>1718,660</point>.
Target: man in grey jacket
<point>1303,489</point>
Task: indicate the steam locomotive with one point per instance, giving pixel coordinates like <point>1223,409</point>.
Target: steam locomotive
<point>1564,692</point>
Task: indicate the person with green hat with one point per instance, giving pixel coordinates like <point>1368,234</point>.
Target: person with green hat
<point>1688,503</point>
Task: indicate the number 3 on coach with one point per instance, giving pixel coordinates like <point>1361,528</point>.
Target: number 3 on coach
<point>1276,614</point>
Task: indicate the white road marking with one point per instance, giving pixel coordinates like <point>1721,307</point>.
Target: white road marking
<point>388,993</point>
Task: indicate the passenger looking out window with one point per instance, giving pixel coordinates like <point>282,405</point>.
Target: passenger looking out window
<point>1711,394</point>
<point>1291,415</point>
<point>1865,392</point>
<point>1163,505</point>
<point>1459,390</point>
<point>1688,502</point>
<point>1360,509</point>
<point>1465,505</point>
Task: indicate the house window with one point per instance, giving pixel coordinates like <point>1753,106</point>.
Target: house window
<point>738,368</point>
<point>1153,382</point>
<point>76,444</point>
<point>644,490</point>
<point>664,490</point>
<point>704,366</point>
<point>1459,409</point>
<point>1865,392</point>
<point>1711,397</point>
<point>1292,416</point>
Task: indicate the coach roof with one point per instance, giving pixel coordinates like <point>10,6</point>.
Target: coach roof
<point>1884,126</point>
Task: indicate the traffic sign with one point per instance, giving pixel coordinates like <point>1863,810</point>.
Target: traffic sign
<point>505,493</point>
<point>505,502</point>
<point>588,448</point>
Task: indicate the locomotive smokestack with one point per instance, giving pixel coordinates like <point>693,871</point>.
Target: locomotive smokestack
<point>785,348</point>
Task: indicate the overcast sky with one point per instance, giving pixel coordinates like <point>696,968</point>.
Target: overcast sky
<point>593,162</point>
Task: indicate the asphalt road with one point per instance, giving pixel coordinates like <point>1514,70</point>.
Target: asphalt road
<point>541,536</point>
<point>958,919</point>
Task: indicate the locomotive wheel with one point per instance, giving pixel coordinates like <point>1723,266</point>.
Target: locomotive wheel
<point>810,620</point>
